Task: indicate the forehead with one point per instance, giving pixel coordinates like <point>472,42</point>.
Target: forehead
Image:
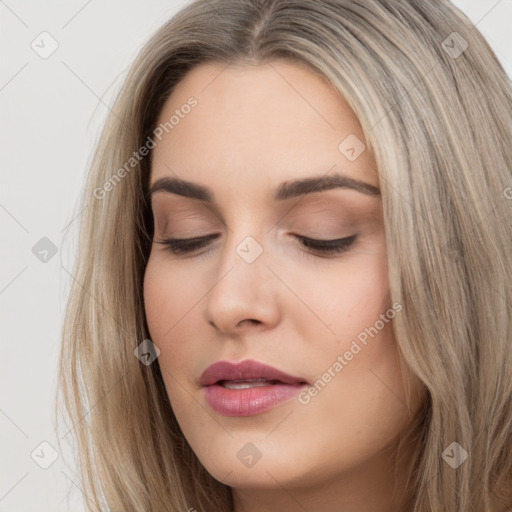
<point>257,124</point>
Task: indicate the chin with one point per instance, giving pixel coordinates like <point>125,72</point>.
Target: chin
<point>258,464</point>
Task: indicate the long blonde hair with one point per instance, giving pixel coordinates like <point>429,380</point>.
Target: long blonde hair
<point>435,106</point>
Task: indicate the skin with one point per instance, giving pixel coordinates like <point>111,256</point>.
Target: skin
<point>254,127</point>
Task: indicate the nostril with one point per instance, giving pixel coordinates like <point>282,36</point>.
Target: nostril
<point>251,321</point>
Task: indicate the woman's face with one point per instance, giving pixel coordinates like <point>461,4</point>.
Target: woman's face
<point>251,145</point>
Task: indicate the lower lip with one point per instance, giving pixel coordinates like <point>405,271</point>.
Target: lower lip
<point>249,401</point>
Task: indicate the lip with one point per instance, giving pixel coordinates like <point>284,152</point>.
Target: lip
<point>249,401</point>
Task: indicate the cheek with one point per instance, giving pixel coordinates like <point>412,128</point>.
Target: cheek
<point>173,304</point>
<point>352,336</point>
<point>365,298</point>
<point>169,296</point>
<point>347,299</point>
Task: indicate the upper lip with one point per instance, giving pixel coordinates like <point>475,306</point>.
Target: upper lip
<point>244,370</point>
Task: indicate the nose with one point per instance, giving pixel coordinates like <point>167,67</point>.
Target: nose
<point>243,294</point>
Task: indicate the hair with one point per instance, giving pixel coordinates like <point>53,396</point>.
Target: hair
<point>437,116</point>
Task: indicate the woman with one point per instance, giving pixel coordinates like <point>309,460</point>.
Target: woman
<point>292,289</point>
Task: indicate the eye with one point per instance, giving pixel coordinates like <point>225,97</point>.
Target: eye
<point>186,245</point>
<point>336,246</point>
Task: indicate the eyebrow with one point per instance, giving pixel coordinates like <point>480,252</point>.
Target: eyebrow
<point>286,190</point>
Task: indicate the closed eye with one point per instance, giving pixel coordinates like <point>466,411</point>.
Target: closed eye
<point>180,246</point>
<point>185,245</point>
<point>336,246</point>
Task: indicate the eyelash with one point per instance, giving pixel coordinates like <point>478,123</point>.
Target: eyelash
<point>179,246</point>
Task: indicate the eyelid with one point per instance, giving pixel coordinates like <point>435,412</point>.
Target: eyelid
<point>179,245</point>
<point>332,246</point>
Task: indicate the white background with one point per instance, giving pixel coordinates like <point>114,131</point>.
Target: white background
<point>51,112</point>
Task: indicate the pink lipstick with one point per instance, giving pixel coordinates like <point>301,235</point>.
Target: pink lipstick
<point>247,388</point>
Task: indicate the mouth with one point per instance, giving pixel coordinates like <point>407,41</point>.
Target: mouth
<point>247,384</point>
<point>248,372</point>
<point>247,388</point>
